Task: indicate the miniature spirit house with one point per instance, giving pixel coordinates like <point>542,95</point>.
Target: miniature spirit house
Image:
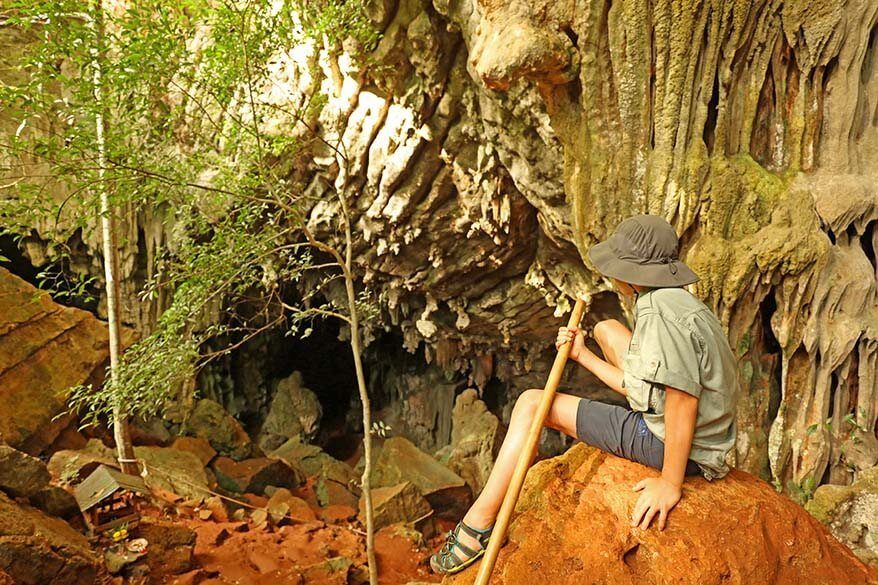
<point>109,498</point>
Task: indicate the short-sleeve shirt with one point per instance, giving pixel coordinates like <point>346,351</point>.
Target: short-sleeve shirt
<point>678,342</point>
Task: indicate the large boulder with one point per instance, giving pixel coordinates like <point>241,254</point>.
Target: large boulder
<point>335,482</point>
<point>38,550</point>
<point>45,349</point>
<point>475,440</point>
<point>398,503</point>
<point>572,525</point>
<point>21,476</point>
<point>209,420</point>
<point>71,466</point>
<point>400,460</point>
<point>295,412</point>
<point>175,471</point>
<point>171,470</point>
<point>851,513</point>
<point>254,475</point>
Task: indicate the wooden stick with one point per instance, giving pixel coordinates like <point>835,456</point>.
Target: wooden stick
<point>527,453</point>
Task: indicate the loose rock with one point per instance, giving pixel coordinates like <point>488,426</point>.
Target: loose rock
<point>334,481</point>
<point>198,446</point>
<point>475,440</point>
<point>56,501</point>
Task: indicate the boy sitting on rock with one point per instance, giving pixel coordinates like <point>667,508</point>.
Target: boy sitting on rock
<point>676,370</point>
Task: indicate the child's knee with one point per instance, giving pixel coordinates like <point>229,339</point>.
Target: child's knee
<point>527,402</point>
<point>604,330</point>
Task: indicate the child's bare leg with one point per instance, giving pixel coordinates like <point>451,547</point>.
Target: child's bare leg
<point>613,338</point>
<point>562,417</point>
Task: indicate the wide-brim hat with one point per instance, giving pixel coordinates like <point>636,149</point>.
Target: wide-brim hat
<point>642,251</point>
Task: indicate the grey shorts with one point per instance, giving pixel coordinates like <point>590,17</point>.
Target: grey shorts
<point>622,432</point>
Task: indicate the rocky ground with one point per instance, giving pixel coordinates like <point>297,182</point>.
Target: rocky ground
<point>222,511</point>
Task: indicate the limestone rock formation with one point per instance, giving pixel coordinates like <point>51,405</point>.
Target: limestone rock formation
<point>572,525</point>
<point>475,439</point>
<point>38,550</point>
<point>171,470</point>
<point>851,513</point>
<point>45,349</point>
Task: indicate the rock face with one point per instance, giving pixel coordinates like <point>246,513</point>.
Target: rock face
<point>38,550</point>
<point>851,513</point>
<point>45,349</point>
<point>295,412</point>
<point>572,525</point>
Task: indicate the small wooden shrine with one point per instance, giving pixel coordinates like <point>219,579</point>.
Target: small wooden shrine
<point>109,498</point>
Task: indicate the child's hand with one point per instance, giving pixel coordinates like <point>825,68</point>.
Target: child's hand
<point>575,335</point>
<point>658,496</point>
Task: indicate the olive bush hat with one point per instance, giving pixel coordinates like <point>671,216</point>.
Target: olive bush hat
<point>642,251</point>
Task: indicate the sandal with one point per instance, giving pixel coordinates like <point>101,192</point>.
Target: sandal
<point>447,561</point>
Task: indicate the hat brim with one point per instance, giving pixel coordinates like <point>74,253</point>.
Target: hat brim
<point>654,275</point>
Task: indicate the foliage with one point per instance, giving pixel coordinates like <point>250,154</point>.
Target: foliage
<point>184,92</point>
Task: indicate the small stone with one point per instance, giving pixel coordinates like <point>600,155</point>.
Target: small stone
<point>219,512</point>
<point>262,562</point>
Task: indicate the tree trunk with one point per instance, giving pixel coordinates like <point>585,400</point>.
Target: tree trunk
<point>366,482</point>
<point>121,433</point>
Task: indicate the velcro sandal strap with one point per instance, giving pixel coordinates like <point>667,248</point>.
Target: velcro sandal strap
<point>479,535</point>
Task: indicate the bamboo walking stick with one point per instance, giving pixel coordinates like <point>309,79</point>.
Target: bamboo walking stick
<point>527,453</point>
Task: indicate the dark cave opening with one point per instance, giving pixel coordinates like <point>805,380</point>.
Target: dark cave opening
<point>772,349</point>
<point>709,134</point>
<point>867,241</point>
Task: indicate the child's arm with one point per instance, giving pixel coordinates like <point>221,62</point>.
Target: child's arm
<point>660,494</point>
<point>604,370</point>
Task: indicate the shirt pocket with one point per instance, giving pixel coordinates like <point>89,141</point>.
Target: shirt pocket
<point>639,392</point>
